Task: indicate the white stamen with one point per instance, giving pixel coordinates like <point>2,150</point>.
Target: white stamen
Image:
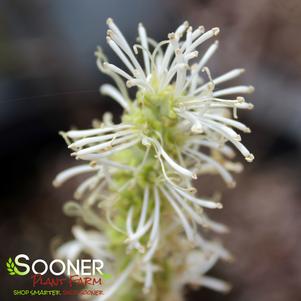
<point>206,57</point>
<point>201,202</point>
<point>70,173</point>
<point>114,93</point>
<point>102,155</point>
<point>104,145</point>
<point>89,183</point>
<point>234,90</point>
<point>230,122</point>
<point>170,161</point>
<point>207,35</point>
<point>116,165</point>
<point>184,221</point>
<point>217,227</point>
<point>117,282</point>
<point>129,222</point>
<point>117,70</point>
<point>156,224</point>
<point>141,231</point>
<point>228,76</point>
<point>213,283</point>
<point>169,51</point>
<point>221,128</point>
<point>121,41</point>
<point>222,171</point>
<point>86,133</point>
<point>144,208</point>
<point>224,149</point>
<point>144,43</point>
<point>196,217</point>
<point>121,55</point>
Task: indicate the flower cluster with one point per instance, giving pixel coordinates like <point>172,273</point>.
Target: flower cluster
<point>137,196</point>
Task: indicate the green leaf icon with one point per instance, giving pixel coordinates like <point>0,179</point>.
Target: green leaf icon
<point>12,269</point>
<point>106,276</point>
<point>10,266</point>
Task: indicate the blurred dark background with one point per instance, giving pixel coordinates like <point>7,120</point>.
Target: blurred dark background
<point>49,82</point>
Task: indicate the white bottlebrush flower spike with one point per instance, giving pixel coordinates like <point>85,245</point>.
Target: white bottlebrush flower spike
<point>138,194</point>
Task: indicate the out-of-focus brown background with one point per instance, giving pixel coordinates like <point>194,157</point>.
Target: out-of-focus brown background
<point>49,81</point>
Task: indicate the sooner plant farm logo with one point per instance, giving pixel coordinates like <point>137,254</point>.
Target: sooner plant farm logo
<point>86,267</point>
<point>81,273</point>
